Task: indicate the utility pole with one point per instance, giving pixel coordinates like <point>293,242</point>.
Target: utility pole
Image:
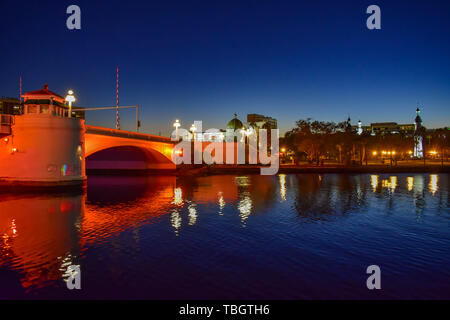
<point>117,101</point>
<point>138,122</point>
<point>20,88</point>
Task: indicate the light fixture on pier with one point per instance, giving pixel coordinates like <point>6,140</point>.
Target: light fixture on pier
<point>70,98</point>
<point>176,124</point>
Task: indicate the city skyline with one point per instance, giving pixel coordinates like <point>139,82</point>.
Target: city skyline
<point>207,62</point>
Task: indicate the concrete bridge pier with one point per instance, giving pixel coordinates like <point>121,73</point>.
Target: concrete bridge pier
<point>43,149</point>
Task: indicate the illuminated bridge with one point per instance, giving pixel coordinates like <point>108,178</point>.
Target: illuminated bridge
<point>117,149</point>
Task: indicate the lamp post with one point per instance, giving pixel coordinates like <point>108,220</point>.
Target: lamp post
<point>70,98</point>
<point>193,129</point>
<point>176,124</point>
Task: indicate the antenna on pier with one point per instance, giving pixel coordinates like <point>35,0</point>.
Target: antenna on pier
<point>20,88</point>
<point>117,101</point>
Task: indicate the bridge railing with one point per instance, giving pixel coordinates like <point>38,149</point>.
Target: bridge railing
<point>126,134</point>
<point>6,121</point>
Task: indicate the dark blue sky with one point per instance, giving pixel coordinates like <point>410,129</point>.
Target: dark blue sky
<point>205,60</point>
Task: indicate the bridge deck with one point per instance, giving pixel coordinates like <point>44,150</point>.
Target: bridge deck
<point>126,134</point>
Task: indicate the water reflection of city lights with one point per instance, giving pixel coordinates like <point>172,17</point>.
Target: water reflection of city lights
<point>410,183</point>
<point>177,196</point>
<point>283,187</point>
<point>13,227</point>
<point>374,182</point>
<point>8,237</point>
<point>391,183</point>
<point>242,181</point>
<point>433,185</point>
<point>245,207</point>
<point>221,203</point>
<point>192,214</point>
<point>418,184</point>
<point>5,243</point>
<point>175,221</point>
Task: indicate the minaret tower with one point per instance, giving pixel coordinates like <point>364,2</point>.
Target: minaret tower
<point>360,130</point>
<point>418,138</point>
<point>348,125</point>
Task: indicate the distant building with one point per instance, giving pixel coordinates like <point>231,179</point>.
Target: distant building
<point>383,128</point>
<point>254,122</point>
<point>407,129</point>
<point>235,124</point>
<point>259,121</point>
<point>359,130</point>
<point>10,106</point>
<point>78,112</point>
<point>348,125</point>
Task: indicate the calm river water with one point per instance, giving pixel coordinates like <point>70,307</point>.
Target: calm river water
<point>230,237</point>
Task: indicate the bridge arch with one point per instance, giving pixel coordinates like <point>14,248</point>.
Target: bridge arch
<point>111,152</point>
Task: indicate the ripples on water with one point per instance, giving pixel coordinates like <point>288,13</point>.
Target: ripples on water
<point>285,236</point>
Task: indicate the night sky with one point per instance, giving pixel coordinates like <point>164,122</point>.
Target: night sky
<point>206,60</point>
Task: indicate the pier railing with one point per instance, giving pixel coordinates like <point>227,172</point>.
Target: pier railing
<point>6,121</point>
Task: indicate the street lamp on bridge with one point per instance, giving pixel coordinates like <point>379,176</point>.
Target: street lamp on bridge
<point>70,98</point>
<point>193,129</point>
<point>176,124</point>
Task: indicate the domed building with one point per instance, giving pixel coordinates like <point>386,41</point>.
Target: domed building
<point>259,121</point>
<point>235,123</point>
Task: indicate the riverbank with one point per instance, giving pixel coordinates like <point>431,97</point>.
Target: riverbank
<point>7,185</point>
<point>189,171</point>
<point>286,169</point>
